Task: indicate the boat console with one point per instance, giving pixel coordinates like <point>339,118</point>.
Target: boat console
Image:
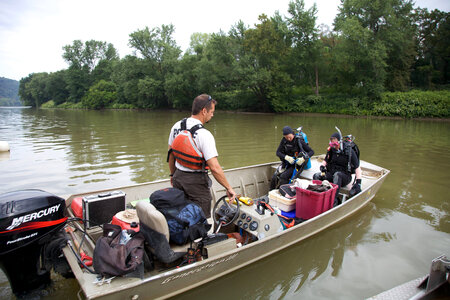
<point>258,221</point>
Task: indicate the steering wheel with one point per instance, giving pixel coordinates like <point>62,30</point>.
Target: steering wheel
<point>227,213</point>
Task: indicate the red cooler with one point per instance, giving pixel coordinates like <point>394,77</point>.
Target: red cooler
<point>310,204</point>
<point>77,207</point>
<point>126,219</point>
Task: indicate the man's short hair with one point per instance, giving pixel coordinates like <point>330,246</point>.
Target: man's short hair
<point>202,101</point>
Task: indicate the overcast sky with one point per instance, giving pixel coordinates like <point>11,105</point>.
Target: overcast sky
<point>33,32</point>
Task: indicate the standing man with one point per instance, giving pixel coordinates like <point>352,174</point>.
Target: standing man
<point>336,168</point>
<point>192,154</point>
<point>294,153</point>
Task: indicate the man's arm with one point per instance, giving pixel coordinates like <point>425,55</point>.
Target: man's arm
<point>356,188</point>
<point>217,172</point>
<point>171,160</point>
<point>327,157</point>
<point>358,172</point>
<point>307,149</point>
<point>355,164</point>
<point>280,151</point>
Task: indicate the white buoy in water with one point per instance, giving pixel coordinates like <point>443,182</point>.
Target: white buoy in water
<point>4,146</point>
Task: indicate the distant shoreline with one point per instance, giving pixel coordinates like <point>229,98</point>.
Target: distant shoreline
<point>259,113</point>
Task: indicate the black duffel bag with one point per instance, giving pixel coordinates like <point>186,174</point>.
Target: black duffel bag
<point>186,220</point>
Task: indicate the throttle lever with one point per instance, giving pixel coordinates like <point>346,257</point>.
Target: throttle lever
<point>260,209</point>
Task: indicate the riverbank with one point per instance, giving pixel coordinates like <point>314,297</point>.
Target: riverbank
<point>413,104</point>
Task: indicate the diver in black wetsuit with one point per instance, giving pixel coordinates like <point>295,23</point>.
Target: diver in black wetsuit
<point>335,168</point>
<point>294,153</point>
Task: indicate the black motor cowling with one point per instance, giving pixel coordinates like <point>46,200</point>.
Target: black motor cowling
<point>29,220</point>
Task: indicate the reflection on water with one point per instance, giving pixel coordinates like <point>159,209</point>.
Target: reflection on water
<point>355,259</point>
<point>291,273</point>
<point>72,151</point>
<point>391,241</point>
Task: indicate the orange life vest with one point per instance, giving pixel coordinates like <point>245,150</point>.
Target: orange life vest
<point>185,149</point>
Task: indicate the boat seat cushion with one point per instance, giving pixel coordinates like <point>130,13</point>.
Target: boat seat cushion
<point>153,218</point>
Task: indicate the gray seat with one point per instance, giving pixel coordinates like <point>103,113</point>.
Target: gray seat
<point>153,218</point>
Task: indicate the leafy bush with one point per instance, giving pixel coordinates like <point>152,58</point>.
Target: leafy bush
<point>329,103</point>
<point>228,99</point>
<point>100,95</point>
<point>302,90</point>
<point>414,104</point>
<point>411,104</point>
<point>235,100</point>
<point>70,105</point>
<point>122,106</point>
<point>48,104</point>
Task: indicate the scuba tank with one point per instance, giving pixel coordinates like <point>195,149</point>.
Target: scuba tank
<point>305,138</point>
<point>346,144</point>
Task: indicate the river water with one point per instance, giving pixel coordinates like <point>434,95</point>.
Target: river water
<point>390,241</point>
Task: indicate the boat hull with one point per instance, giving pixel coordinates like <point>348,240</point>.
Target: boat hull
<point>176,281</point>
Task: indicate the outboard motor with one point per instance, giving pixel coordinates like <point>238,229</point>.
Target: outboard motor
<point>29,220</point>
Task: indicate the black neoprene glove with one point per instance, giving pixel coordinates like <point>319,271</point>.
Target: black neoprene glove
<point>356,188</point>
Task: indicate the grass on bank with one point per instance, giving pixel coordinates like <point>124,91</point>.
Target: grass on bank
<point>412,104</point>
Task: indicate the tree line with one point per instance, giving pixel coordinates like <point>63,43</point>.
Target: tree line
<point>375,50</point>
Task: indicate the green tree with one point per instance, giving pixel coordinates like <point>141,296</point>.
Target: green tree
<point>198,43</point>
<point>149,92</point>
<point>376,49</point>
<point>214,67</point>
<point>305,42</point>
<point>39,88</point>
<point>181,85</point>
<point>179,88</point>
<point>126,75</point>
<point>83,60</point>
<point>24,91</point>
<point>78,82</point>
<point>159,49</point>
<point>100,95</point>
<point>88,55</point>
<point>328,41</point>
<point>33,89</point>
<point>262,68</point>
<point>432,43</point>
<point>57,87</point>
<point>153,44</point>
<point>360,59</point>
<point>104,68</point>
